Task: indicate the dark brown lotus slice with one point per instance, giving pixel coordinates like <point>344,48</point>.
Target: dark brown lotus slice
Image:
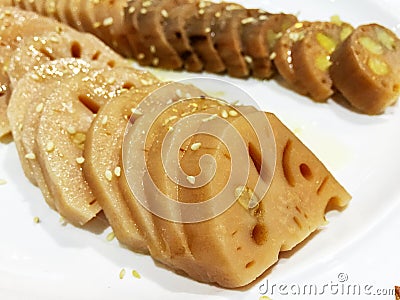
<point>227,39</point>
<point>259,32</point>
<point>198,30</point>
<point>175,32</point>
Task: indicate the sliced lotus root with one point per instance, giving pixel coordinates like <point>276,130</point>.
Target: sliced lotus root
<point>164,157</point>
<point>133,147</point>
<point>260,32</point>
<point>66,116</point>
<point>238,245</point>
<point>102,164</point>
<point>25,107</point>
<point>366,68</point>
<point>64,42</point>
<point>198,29</point>
<point>175,32</point>
<point>311,57</point>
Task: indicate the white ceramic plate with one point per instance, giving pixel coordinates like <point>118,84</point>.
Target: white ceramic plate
<point>356,252</point>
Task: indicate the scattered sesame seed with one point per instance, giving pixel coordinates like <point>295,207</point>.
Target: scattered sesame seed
<point>248,59</point>
<point>117,171</point>
<point>207,30</point>
<point>152,49</point>
<point>80,160</point>
<point>155,61</point>
<point>34,76</point>
<point>71,130</point>
<point>143,11</point>
<point>212,117</point>
<point>36,220</point>
<point>164,13</point>
<point>3,181</point>
<point>39,107</point>
<point>96,24</point>
<point>110,236</point>
<point>140,56</point>
<point>170,129</point>
<point>178,92</point>
<point>108,175</point>
<point>30,156</point>
<point>298,25</point>
<point>50,146</point>
<point>131,10</point>
<point>146,3</point>
<point>171,118</point>
<point>224,114</point>
<point>136,274</point>
<point>136,111</point>
<point>108,21</point>
<point>233,113</point>
<point>217,14</point>
<point>191,179</point>
<point>104,120</point>
<point>248,20</point>
<point>263,17</point>
<point>122,273</point>
<point>195,146</point>
<point>272,56</point>
<point>201,11</point>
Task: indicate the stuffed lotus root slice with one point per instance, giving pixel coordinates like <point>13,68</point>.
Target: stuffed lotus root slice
<point>250,239</point>
<point>311,58</point>
<point>366,68</point>
<point>283,59</point>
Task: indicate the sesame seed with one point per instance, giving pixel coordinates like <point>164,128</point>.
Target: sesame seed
<point>217,14</point>
<point>96,24</point>
<point>110,236</point>
<point>248,59</point>
<point>30,156</point>
<point>171,118</point>
<point>136,274</point>
<point>34,76</point>
<point>141,56</point>
<point>263,17</point>
<point>178,92</point>
<point>152,49</point>
<point>191,179</point>
<point>207,30</point>
<point>224,114</point>
<point>131,10</point>
<point>117,171</point>
<point>136,111</point>
<point>71,130</point>
<point>272,56</point>
<point>146,3</point>
<point>36,220</point>
<point>164,13</point>
<point>3,181</point>
<point>80,160</point>
<point>233,113</point>
<point>108,21</point>
<point>143,11</point>
<point>108,174</point>
<point>155,61</point>
<point>50,146</point>
<point>104,120</point>
<point>248,20</point>
<point>201,11</point>
<point>195,146</point>
<point>122,274</point>
<point>298,25</point>
<point>202,4</point>
<point>170,129</point>
<point>39,107</point>
<point>212,117</point>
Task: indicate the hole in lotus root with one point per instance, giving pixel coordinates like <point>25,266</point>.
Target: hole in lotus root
<point>305,171</point>
<point>259,234</point>
<point>76,50</point>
